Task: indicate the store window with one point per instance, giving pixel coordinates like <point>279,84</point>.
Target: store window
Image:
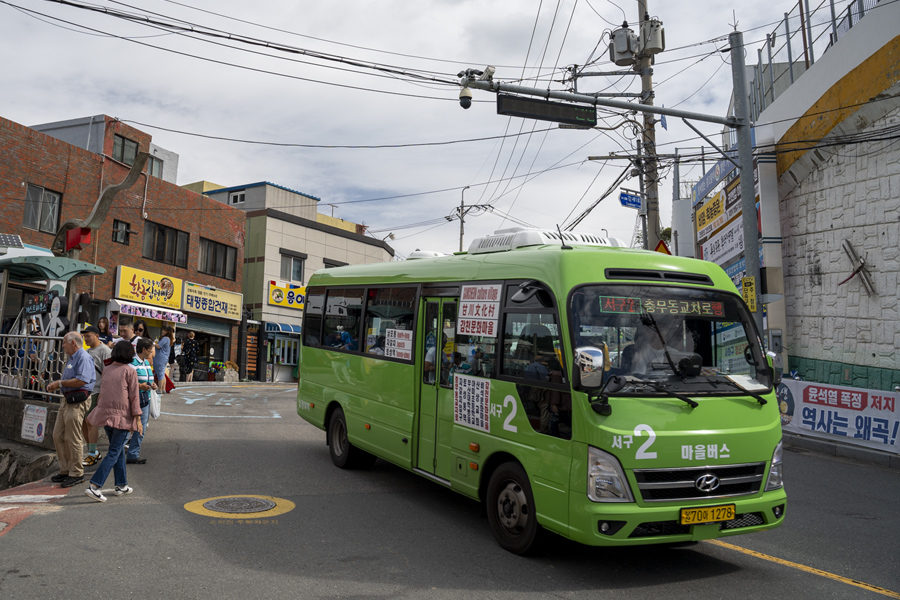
<point>41,209</point>
<point>124,150</point>
<point>165,244</point>
<point>285,351</point>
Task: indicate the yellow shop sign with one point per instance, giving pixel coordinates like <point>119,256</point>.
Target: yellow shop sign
<point>148,288</point>
<point>211,301</point>
<point>287,295</point>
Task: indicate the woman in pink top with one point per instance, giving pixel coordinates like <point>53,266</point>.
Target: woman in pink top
<point>118,411</point>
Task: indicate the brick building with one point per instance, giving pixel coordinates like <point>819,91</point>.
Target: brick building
<point>154,231</point>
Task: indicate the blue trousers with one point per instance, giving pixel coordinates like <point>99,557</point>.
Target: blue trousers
<point>114,460</point>
<point>134,445</point>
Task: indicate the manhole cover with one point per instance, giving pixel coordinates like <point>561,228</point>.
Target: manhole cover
<point>239,505</point>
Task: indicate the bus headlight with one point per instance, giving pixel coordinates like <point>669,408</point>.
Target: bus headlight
<point>606,480</point>
<point>776,471</point>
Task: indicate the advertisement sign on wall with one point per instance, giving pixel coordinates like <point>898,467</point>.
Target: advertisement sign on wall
<point>857,416</point>
<point>211,301</point>
<point>287,295</point>
<point>148,288</point>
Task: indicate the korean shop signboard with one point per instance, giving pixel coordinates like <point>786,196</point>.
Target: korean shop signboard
<point>287,294</point>
<point>211,301</point>
<point>148,288</point>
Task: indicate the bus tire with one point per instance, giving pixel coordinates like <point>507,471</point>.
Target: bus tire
<point>510,509</point>
<point>345,455</point>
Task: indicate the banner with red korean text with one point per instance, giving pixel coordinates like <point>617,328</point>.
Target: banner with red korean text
<point>856,416</point>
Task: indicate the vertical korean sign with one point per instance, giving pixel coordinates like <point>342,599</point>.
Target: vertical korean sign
<point>479,310</point>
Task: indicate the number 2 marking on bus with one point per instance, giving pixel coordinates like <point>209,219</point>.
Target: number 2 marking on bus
<point>506,424</point>
<point>642,451</point>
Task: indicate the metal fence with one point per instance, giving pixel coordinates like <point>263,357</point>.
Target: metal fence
<point>795,44</point>
<point>28,363</point>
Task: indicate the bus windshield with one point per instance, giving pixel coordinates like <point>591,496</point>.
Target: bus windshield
<point>685,339</point>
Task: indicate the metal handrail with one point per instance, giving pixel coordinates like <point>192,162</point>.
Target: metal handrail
<point>28,363</point>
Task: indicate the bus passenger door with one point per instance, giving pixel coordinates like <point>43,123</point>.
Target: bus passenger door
<point>438,330</point>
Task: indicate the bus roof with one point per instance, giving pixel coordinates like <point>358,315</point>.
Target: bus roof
<point>552,264</point>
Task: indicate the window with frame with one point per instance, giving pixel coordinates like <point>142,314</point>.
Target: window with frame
<point>285,350</point>
<point>389,322</point>
<point>343,314</point>
<point>165,244</point>
<point>156,167</point>
<point>121,233</point>
<point>217,259</point>
<point>313,316</point>
<point>41,209</point>
<point>124,150</point>
<point>291,268</point>
<point>237,197</point>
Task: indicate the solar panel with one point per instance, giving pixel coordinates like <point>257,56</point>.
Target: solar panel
<point>10,240</point>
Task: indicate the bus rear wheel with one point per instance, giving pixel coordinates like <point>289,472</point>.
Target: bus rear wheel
<point>345,455</point>
<point>510,509</point>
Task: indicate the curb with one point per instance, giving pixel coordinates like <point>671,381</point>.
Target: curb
<point>840,450</point>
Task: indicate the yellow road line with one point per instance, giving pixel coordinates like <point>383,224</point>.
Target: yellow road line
<point>821,573</point>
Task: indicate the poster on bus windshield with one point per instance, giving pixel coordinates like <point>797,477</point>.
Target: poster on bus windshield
<point>856,416</point>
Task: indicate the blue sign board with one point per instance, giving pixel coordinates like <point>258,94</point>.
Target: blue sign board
<point>630,200</point>
<point>719,171</point>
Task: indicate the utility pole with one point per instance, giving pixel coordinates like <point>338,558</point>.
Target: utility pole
<point>651,239</point>
<point>745,158</point>
<point>639,163</point>
<point>462,217</point>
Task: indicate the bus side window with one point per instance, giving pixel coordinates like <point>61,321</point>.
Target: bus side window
<point>312,323</point>
<point>343,310</point>
<point>389,322</point>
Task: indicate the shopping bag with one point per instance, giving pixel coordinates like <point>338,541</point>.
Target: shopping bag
<point>169,384</point>
<point>154,404</point>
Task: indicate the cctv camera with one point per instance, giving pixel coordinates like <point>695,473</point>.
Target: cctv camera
<point>465,97</point>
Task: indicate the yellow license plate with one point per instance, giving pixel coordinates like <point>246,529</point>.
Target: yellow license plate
<point>707,514</point>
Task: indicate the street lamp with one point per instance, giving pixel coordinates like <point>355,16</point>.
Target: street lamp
<point>462,217</point>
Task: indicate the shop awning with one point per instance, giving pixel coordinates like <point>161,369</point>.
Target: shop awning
<point>148,312</point>
<point>32,263</point>
<point>282,328</point>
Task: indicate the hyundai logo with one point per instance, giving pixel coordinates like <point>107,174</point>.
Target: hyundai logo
<point>707,483</point>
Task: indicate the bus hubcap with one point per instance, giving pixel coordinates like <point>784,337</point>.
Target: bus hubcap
<point>512,507</point>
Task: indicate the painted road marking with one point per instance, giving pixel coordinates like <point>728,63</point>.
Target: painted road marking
<point>21,502</point>
<point>281,506</point>
<point>274,415</point>
<point>814,571</point>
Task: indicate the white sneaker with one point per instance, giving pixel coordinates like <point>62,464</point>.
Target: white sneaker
<point>97,494</point>
<point>121,491</point>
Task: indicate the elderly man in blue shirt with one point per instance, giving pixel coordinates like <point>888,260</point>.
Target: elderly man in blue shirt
<point>76,384</point>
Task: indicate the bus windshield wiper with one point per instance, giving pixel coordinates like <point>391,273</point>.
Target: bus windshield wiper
<point>716,382</point>
<point>662,389</point>
<point>648,320</point>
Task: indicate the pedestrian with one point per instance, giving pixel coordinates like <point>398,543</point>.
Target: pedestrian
<point>76,384</point>
<point>141,365</point>
<point>140,330</point>
<point>118,412</point>
<point>126,330</point>
<point>99,352</point>
<point>104,335</point>
<point>161,360</point>
<point>190,350</point>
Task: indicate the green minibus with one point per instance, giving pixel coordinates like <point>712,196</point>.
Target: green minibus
<point>610,395</point>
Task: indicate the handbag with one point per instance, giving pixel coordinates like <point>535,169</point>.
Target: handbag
<point>154,404</point>
<point>76,396</point>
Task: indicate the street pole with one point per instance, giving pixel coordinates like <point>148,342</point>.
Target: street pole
<point>745,158</point>
<point>651,239</point>
<point>462,217</point>
<point>639,163</point>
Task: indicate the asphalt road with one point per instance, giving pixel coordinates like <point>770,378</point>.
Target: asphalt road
<point>386,533</point>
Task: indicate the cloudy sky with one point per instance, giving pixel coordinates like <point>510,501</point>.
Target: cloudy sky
<point>389,147</point>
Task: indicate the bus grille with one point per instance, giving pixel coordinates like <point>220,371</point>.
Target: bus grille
<point>667,485</point>
<point>662,528</point>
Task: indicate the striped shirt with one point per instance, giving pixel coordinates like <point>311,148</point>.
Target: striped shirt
<point>145,375</point>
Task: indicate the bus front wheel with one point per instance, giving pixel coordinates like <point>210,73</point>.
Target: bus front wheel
<point>510,509</point>
<point>345,455</point>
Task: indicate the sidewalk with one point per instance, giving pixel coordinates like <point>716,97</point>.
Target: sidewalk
<point>839,450</point>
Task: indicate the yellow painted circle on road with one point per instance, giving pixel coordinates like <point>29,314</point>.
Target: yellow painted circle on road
<point>280,507</point>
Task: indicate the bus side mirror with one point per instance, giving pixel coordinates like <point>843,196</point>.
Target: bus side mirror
<point>589,367</point>
<point>775,364</point>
